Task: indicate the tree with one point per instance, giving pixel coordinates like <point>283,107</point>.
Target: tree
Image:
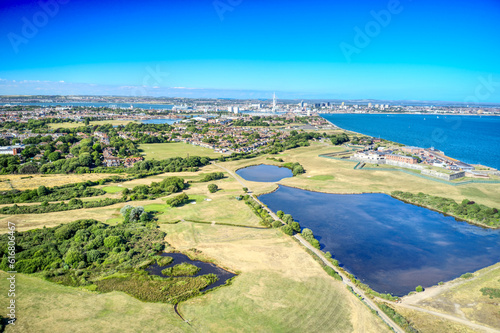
<point>73,256</point>
<point>112,241</point>
<point>54,156</point>
<point>85,159</point>
<point>42,190</point>
<point>280,214</point>
<point>245,189</point>
<point>212,188</point>
<point>419,289</point>
<point>295,226</point>
<point>287,230</point>
<point>87,122</point>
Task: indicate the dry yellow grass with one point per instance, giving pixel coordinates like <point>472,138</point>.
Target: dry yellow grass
<point>464,298</point>
<point>426,323</point>
<point>42,306</point>
<point>25,182</point>
<point>280,288</point>
<point>347,180</point>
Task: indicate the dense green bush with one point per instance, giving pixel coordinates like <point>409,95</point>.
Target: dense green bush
<point>45,207</point>
<point>399,319</point>
<point>88,252</point>
<point>178,200</point>
<point>212,188</point>
<point>212,176</point>
<point>296,168</point>
<point>80,190</point>
<point>266,219</point>
<point>183,269</point>
<point>466,210</point>
<point>308,235</point>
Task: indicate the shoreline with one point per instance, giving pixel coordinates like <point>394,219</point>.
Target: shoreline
<point>355,279</point>
<point>338,127</point>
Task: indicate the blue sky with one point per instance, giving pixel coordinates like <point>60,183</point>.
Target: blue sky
<point>420,49</point>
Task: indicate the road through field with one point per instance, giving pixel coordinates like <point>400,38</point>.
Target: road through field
<point>320,254</point>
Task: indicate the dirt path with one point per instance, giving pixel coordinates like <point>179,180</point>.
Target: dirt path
<point>450,317</point>
<point>320,254</point>
<point>436,290</point>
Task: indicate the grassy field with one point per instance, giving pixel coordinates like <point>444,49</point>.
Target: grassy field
<point>161,151</point>
<point>113,189</point>
<point>24,182</point>
<point>280,288</point>
<point>43,306</point>
<point>467,301</point>
<point>221,207</point>
<point>426,323</point>
<point>99,122</point>
<point>347,180</point>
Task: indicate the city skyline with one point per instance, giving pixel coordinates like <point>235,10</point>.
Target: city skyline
<point>387,50</point>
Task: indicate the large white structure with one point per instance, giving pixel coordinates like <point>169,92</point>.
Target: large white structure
<point>11,150</point>
<point>274,102</point>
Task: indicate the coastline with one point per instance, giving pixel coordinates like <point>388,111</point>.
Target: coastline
<point>338,127</point>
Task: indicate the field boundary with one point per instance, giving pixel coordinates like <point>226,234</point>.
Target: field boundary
<point>360,166</point>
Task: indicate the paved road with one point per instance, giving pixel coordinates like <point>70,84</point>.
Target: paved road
<point>320,254</point>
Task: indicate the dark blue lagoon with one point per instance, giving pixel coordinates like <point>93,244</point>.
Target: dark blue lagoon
<point>471,139</point>
<point>205,268</point>
<point>390,245</point>
<point>264,173</point>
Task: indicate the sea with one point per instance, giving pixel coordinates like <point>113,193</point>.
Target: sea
<point>109,105</point>
<point>470,139</point>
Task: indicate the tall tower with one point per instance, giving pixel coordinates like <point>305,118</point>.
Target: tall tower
<point>274,102</point>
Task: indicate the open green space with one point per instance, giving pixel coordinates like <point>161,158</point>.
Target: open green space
<point>161,151</point>
<point>112,189</point>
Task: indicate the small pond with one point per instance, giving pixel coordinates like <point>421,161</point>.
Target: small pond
<point>264,173</point>
<point>390,245</point>
<point>205,268</point>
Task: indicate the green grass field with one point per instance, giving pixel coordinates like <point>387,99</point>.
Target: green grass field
<point>113,189</point>
<point>161,151</point>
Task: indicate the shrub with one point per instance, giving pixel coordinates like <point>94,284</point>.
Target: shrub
<point>112,241</point>
<point>164,261</point>
<point>277,224</point>
<point>93,255</point>
<point>183,269</point>
<point>178,200</point>
<point>73,256</point>
<point>419,289</point>
<point>212,188</point>
<point>287,230</point>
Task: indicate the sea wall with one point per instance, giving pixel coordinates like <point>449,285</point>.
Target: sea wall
<point>404,165</point>
<point>444,176</point>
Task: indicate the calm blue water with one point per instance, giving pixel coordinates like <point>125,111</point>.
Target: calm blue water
<point>388,244</point>
<point>264,173</point>
<point>160,121</point>
<point>205,268</point>
<point>118,105</point>
<point>471,139</point>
